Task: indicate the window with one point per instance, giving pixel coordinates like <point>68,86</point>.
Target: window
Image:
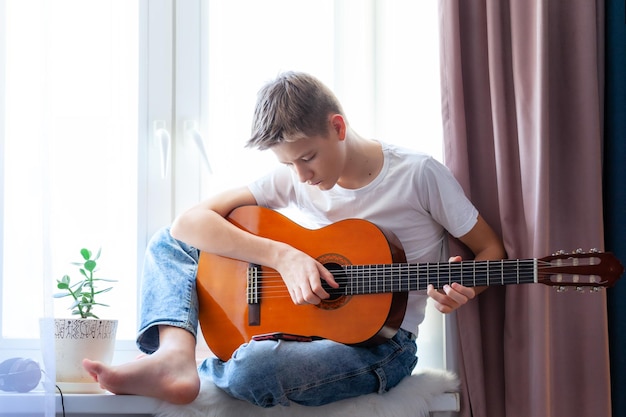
<point>380,57</point>
<point>374,55</point>
<point>107,103</point>
<point>70,156</point>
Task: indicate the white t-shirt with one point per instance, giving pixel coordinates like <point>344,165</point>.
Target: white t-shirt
<point>414,196</point>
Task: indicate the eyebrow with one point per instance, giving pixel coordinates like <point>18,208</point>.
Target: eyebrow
<point>306,154</point>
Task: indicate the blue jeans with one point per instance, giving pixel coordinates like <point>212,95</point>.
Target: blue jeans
<point>265,373</point>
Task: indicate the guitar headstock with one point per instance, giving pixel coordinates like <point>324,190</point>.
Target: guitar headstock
<point>580,269</point>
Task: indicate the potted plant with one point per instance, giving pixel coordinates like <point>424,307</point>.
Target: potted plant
<point>85,335</point>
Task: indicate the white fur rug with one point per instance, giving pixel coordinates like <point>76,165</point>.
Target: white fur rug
<point>410,398</point>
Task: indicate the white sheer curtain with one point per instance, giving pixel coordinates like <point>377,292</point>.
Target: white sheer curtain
<point>68,167</point>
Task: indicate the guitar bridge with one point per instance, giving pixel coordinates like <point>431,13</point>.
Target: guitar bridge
<point>252,295</point>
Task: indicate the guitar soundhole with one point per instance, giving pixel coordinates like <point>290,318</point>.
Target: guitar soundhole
<point>337,297</point>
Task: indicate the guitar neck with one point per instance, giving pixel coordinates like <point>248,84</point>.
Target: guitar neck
<point>386,278</point>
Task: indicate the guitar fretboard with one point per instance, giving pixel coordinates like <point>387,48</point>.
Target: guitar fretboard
<point>386,278</point>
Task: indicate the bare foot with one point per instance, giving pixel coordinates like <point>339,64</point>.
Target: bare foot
<point>169,374</point>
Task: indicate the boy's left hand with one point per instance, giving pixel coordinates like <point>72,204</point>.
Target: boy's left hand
<point>451,296</point>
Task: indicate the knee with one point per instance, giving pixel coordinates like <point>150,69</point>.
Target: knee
<point>163,243</point>
<point>251,375</point>
<point>159,239</point>
<point>252,363</point>
<point>161,234</point>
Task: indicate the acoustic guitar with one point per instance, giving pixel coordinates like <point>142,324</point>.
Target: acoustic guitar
<point>239,301</point>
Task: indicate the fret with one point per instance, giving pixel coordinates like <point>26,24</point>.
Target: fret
<point>386,287</point>
<point>364,282</point>
<point>474,273</point>
<point>453,275</point>
<point>384,278</point>
<point>377,290</point>
<point>396,276</point>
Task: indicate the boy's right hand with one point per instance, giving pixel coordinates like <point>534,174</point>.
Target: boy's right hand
<point>303,276</point>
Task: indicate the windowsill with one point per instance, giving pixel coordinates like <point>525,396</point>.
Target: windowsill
<point>14,404</point>
<point>23,405</point>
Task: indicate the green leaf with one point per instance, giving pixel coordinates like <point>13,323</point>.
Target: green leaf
<point>61,294</point>
<point>77,286</point>
<point>87,284</point>
<point>90,265</point>
<point>86,253</point>
<point>101,304</point>
<point>104,279</point>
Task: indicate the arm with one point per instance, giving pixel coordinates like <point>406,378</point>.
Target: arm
<point>485,244</point>
<point>205,227</point>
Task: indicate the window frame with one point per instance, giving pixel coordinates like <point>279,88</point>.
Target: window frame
<point>2,134</point>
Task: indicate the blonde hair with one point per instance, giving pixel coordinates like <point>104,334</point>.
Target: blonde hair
<point>293,105</point>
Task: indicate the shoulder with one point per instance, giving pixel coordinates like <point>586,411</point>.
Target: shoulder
<point>275,189</point>
<point>400,155</point>
<point>413,162</point>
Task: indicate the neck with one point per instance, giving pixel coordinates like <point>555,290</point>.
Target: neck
<point>364,161</point>
<point>401,277</point>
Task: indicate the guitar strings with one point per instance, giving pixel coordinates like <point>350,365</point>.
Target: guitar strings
<point>370,272</point>
<point>366,271</point>
<point>270,282</point>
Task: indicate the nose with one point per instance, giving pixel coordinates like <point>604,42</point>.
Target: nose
<point>304,173</point>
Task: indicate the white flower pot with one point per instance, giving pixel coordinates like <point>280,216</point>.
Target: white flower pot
<point>75,340</point>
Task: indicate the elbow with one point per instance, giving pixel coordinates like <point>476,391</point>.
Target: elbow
<point>178,229</point>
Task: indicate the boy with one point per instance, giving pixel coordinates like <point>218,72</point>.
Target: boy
<point>330,173</point>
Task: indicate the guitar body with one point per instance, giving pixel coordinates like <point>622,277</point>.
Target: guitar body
<point>228,320</point>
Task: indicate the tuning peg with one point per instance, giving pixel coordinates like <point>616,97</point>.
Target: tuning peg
<point>578,251</point>
<point>561,288</point>
<point>594,250</point>
<point>559,252</point>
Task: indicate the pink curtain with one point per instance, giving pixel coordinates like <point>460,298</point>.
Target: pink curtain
<point>522,101</point>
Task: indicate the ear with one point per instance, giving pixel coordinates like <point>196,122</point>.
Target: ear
<point>338,125</point>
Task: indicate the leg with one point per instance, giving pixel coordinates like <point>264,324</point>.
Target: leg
<point>269,373</point>
<point>169,319</point>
